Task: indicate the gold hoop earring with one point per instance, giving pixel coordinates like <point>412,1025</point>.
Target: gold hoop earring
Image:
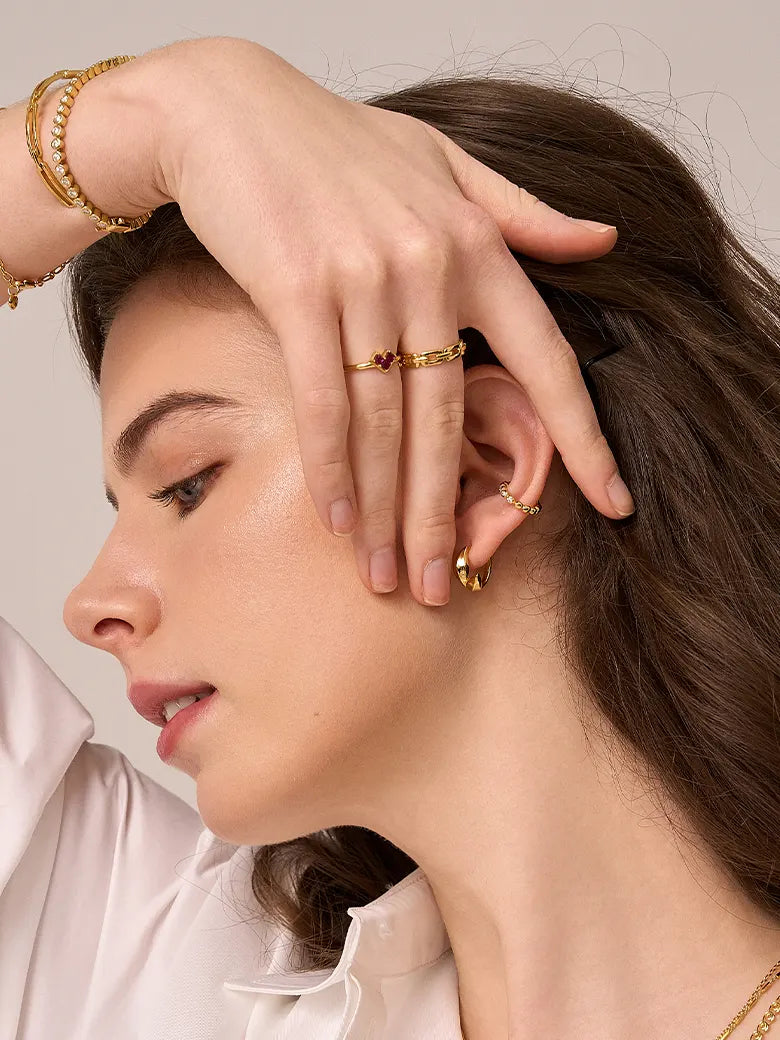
<point>476,581</point>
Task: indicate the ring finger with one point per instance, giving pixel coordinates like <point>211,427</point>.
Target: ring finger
<point>430,466</point>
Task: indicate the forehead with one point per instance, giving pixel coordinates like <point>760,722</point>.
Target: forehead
<point>161,339</point>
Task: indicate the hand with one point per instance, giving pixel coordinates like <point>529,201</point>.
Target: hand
<point>350,226</point>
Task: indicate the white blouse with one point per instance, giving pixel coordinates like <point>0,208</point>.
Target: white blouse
<point>122,916</point>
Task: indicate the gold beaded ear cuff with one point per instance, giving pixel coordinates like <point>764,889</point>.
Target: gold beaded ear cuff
<point>531,510</point>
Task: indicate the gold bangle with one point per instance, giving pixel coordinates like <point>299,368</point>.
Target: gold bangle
<point>63,185</point>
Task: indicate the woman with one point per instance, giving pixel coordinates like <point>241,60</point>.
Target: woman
<point>553,800</point>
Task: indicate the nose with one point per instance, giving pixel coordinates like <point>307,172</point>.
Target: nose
<point>112,618</point>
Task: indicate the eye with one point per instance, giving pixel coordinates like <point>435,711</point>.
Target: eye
<point>192,486</point>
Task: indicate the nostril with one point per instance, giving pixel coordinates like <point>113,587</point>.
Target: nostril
<point>105,627</point>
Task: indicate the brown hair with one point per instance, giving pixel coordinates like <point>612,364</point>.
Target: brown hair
<point>671,618</point>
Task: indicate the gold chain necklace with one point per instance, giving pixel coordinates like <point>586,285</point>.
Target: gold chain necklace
<point>763,1026</point>
<point>774,1008</point>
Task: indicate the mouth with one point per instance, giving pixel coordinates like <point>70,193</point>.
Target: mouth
<point>171,708</point>
<point>159,702</point>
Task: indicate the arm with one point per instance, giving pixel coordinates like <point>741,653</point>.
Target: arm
<point>112,150</point>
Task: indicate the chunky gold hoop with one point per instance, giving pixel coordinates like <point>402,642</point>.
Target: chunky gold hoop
<point>476,581</point>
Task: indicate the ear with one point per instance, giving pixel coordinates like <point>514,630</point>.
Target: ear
<point>503,439</point>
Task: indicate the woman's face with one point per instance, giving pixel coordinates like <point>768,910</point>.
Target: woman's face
<point>317,676</point>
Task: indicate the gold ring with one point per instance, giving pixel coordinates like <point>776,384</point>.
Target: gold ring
<point>385,361</point>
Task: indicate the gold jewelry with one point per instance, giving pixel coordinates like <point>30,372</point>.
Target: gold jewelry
<point>384,362</point>
<point>531,510</point>
<point>15,286</point>
<point>478,581</point>
<point>769,979</point>
<point>61,183</point>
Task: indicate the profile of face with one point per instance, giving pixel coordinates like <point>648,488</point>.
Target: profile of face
<point>326,688</point>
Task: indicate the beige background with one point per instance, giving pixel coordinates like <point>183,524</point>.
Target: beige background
<point>710,78</point>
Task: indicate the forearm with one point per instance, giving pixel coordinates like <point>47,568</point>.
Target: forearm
<point>111,145</point>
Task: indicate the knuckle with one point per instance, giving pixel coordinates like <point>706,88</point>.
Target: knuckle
<point>379,518</point>
<point>326,405</point>
<point>557,350</point>
<point>426,249</point>
<point>523,196</point>
<point>288,284</point>
<point>446,417</point>
<point>593,440</point>
<point>329,472</point>
<point>381,424</point>
<point>438,526</point>
<point>479,230</point>
<point>363,267</point>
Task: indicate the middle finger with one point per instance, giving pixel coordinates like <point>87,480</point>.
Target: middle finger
<point>374,436</point>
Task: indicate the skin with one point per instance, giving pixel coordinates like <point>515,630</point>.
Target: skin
<point>450,730</point>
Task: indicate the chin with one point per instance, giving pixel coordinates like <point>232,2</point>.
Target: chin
<point>232,814</point>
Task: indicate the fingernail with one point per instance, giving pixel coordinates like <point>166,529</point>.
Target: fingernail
<point>620,497</point>
<point>593,224</point>
<point>342,517</point>
<point>382,570</point>
<point>436,582</point>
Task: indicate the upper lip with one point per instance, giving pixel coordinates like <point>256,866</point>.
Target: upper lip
<point>148,696</point>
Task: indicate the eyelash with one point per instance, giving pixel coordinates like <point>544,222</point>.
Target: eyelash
<point>167,495</point>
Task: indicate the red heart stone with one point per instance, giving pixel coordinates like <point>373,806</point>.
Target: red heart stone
<point>384,361</point>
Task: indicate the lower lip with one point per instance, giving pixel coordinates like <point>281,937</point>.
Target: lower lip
<point>180,722</point>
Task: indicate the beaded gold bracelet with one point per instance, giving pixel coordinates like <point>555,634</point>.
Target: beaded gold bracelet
<point>61,182</point>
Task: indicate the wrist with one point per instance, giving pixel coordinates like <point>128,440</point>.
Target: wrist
<point>112,137</point>
<point>188,75</point>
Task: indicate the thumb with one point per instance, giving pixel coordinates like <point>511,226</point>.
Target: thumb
<point>527,224</point>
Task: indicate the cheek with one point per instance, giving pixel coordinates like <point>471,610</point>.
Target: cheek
<point>309,661</point>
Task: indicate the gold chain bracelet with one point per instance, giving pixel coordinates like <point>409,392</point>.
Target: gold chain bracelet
<point>15,286</point>
<point>61,182</point>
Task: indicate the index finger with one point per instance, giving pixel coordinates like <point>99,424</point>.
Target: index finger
<point>526,339</point>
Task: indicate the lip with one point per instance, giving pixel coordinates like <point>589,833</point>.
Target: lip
<point>182,721</point>
<point>148,697</point>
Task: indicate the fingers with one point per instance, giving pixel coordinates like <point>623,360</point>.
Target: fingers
<point>351,427</point>
<point>526,222</point>
<point>433,440</point>
<point>421,408</point>
<point>407,417</point>
<point>374,437</point>
<point>310,339</point>
<point>525,338</point>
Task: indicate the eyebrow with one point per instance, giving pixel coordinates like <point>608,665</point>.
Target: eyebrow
<point>129,445</point>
